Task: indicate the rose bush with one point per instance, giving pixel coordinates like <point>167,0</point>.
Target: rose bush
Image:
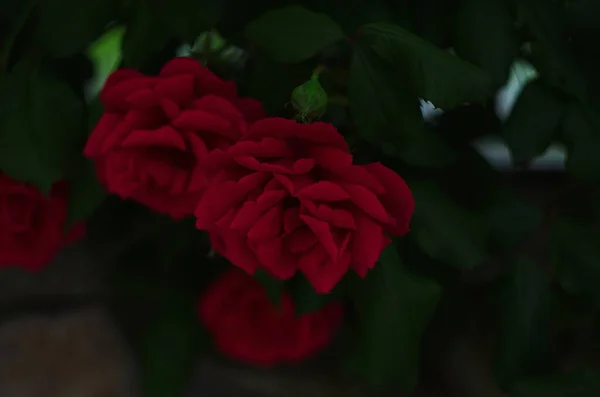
<point>248,327</point>
<point>32,226</point>
<point>155,133</point>
<point>287,197</point>
<point>493,242</point>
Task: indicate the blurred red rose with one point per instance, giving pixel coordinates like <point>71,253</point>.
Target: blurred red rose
<point>248,327</point>
<point>287,197</point>
<point>156,131</point>
<point>32,225</point>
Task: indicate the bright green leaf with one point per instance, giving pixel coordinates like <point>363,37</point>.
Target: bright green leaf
<point>293,34</point>
<point>527,313</point>
<point>393,310</point>
<point>533,122</point>
<point>65,27</point>
<point>485,35</point>
<point>105,54</point>
<point>579,384</point>
<point>434,74</point>
<point>576,256</point>
<point>187,18</point>
<point>444,230</point>
<point>41,127</point>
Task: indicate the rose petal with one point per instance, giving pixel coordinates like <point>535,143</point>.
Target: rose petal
<point>367,201</point>
<point>181,66</point>
<point>218,199</point>
<point>269,225</point>
<point>323,191</point>
<point>330,157</point>
<point>358,175</point>
<point>251,211</point>
<point>264,148</point>
<point>165,136</point>
<point>220,106</point>
<point>367,244</point>
<point>115,96</point>
<point>106,125</point>
<point>169,108</point>
<point>235,249</point>
<point>204,122</point>
<point>179,88</point>
<point>251,108</point>
<point>143,99</point>
<point>275,127</point>
<point>301,240</point>
<point>398,199</point>
<point>323,233</point>
<point>322,272</point>
<point>269,253</point>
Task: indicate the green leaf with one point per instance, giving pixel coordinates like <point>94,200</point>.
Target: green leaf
<point>65,27</point>
<point>144,38</point>
<point>95,111</point>
<point>434,74</point>
<point>272,82</point>
<point>306,300</point>
<point>293,34</point>
<point>444,230</point>
<point>41,127</point>
<point>85,194</point>
<point>583,144</point>
<point>578,384</point>
<point>551,50</point>
<point>383,105</point>
<point>527,313</point>
<point>105,54</point>
<point>428,149</point>
<point>434,20</point>
<point>393,311</point>
<point>187,19</point>
<point>170,347</point>
<point>533,122</point>
<point>273,287</point>
<point>576,257</point>
<point>355,13</point>
<point>14,15</point>
<point>512,219</point>
<point>485,35</point>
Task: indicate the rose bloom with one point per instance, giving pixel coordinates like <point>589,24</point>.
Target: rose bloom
<point>287,197</point>
<point>150,143</point>
<point>248,327</point>
<point>32,225</point>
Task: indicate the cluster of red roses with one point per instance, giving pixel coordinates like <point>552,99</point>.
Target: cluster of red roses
<point>273,194</point>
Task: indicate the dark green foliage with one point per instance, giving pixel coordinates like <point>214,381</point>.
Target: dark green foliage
<point>523,259</point>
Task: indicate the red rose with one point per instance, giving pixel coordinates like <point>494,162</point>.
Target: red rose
<point>288,197</point>
<point>248,327</point>
<point>32,225</point>
<point>156,131</point>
